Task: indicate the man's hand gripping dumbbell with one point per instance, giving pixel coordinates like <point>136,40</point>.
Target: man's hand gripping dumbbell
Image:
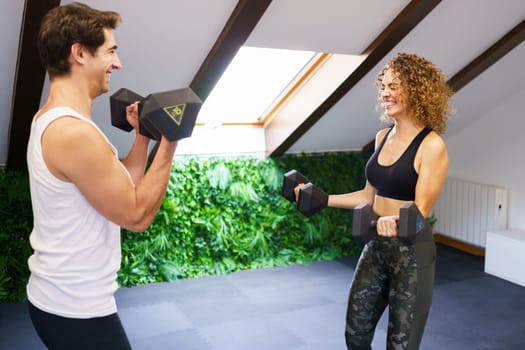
<point>171,114</point>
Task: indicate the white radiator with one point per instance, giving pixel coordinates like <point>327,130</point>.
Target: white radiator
<point>466,211</point>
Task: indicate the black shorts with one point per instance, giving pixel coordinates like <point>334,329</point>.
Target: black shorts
<point>99,333</point>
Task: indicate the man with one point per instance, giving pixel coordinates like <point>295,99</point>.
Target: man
<point>82,194</point>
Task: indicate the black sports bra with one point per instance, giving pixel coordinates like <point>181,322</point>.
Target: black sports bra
<point>398,180</point>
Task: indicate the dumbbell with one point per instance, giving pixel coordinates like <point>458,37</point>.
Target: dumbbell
<point>411,223</point>
<point>290,181</point>
<point>170,113</point>
<point>311,198</point>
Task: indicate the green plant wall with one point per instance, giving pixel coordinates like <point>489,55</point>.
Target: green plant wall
<point>218,216</point>
<point>225,215</point>
<point>16,221</point>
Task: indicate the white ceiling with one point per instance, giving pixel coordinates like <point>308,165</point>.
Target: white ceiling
<point>163,43</point>
<point>451,36</point>
<point>332,26</point>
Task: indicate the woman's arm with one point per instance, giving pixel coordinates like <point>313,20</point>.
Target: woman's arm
<point>433,167</point>
<point>353,199</point>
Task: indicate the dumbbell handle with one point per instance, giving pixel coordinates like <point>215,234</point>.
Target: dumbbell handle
<point>409,224</point>
<point>373,224</point>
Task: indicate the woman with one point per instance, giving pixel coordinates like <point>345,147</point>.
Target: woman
<point>409,164</point>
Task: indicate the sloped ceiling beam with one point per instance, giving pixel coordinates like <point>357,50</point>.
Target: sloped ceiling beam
<point>499,49</point>
<point>407,19</point>
<point>244,18</point>
<point>29,81</point>
<point>503,46</point>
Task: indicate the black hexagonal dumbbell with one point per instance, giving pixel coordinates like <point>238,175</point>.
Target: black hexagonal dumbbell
<point>364,227</point>
<point>290,181</point>
<point>311,199</point>
<point>170,113</point>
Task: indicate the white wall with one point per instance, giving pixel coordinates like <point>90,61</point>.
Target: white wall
<point>224,141</point>
<point>11,19</point>
<point>491,150</point>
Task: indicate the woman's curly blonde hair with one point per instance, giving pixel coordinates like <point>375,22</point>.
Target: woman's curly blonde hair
<point>425,87</point>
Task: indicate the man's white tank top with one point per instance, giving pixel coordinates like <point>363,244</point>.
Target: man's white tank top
<point>76,250</point>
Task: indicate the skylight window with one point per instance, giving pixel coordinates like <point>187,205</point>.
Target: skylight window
<point>254,80</point>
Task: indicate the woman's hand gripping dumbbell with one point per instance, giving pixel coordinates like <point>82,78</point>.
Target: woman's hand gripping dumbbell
<point>410,223</point>
<point>297,188</point>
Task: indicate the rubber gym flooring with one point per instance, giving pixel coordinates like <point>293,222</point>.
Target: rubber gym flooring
<point>299,308</point>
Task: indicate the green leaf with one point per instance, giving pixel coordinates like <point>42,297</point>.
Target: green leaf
<point>219,176</point>
<point>243,192</point>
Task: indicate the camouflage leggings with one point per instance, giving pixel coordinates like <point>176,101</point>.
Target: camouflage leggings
<point>401,276</point>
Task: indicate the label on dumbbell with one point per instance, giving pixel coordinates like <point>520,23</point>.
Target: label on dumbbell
<point>175,112</point>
